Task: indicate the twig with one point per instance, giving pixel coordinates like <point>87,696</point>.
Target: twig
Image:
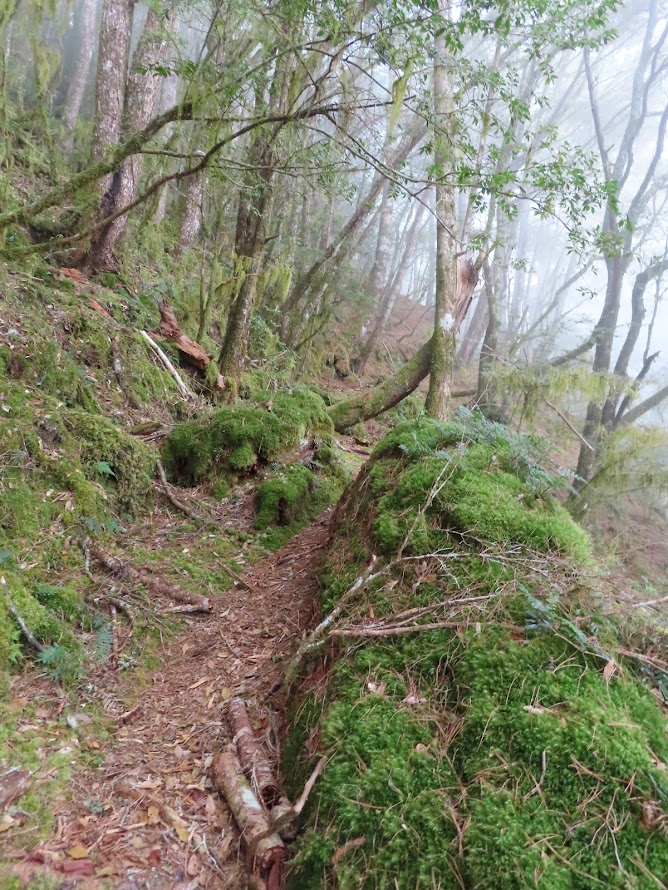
<point>395,631</point>
<point>287,816</point>
<point>567,422</point>
<point>185,392</point>
<point>33,641</point>
<point>167,489</point>
<point>318,635</point>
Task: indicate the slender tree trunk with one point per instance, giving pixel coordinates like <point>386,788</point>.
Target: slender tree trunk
<point>140,99</point>
<point>472,339</point>
<point>254,203</point>
<point>443,351</point>
<point>193,213</point>
<point>391,293</point>
<point>79,79</point>
<point>364,207</point>
<point>378,286</point>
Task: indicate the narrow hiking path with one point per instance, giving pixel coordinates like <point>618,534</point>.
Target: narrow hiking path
<point>148,816</point>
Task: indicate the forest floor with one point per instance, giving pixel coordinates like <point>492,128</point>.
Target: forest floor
<point>143,813</point>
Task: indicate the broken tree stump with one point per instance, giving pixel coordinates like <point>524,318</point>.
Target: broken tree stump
<point>191,352</point>
<point>266,849</point>
<point>251,753</point>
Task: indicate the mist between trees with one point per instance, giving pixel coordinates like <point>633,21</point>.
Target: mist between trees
<point>323,171</point>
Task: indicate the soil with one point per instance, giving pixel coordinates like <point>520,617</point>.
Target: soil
<point>148,817</point>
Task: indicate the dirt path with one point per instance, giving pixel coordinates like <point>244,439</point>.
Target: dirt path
<point>160,751</point>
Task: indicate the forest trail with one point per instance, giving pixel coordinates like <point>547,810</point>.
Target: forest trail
<point>125,816</point>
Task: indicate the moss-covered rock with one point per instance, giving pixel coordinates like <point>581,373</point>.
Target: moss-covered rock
<point>493,752</point>
<point>235,438</point>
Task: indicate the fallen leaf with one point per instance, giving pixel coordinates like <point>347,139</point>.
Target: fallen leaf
<point>154,858</point>
<point>609,670</point>
<point>152,815</point>
<point>193,866</point>
<point>6,822</point>
<point>226,692</point>
<point>183,832</point>
<point>78,851</point>
<point>199,682</point>
<point>107,871</point>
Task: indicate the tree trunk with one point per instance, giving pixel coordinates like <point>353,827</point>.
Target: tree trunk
<point>112,65</point>
<point>363,209</point>
<point>168,98</point>
<point>391,293</point>
<point>192,214</point>
<point>79,79</point>
<point>379,288</point>
<point>249,243</point>
<point>384,396</point>
<point>443,351</point>
<point>140,99</point>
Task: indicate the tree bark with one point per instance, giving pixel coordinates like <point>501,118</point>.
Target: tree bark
<point>140,99</point>
<point>443,346</point>
<point>228,777</point>
<point>112,64</point>
<point>79,79</point>
<point>193,210</point>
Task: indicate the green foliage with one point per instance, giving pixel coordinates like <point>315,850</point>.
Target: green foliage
<point>497,755</point>
<point>233,438</point>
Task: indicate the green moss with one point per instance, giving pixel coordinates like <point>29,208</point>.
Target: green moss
<point>495,755</point>
<point>283,497</point>
<point>235,437</point>
<point>45,625</point>
<point>110,456</point>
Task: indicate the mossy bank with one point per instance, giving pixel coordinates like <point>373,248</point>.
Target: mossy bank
<point>504,748</point>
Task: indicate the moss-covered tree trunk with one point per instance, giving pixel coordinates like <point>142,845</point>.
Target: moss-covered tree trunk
<point>386,395</point>
<point>443,341</point>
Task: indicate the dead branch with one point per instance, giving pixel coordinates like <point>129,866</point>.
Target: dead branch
<point>266,850</point>
<point>25,630</point>
<point>154,585</point>
<point>183,389</point>
<point>281,818</point>
<point>319,634</point>
<point>171,497</point>
<point>252,757</point>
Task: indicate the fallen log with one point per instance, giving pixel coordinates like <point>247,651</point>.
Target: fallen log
<point>251,754</point>
<point>153,584</point>
<point>266,850</point>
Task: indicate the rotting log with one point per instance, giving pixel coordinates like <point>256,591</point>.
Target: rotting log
<point>251,753</point>
<point>266,849</point>
<point>153,584</point>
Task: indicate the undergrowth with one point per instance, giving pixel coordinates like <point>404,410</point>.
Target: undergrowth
<point>511,746</point>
